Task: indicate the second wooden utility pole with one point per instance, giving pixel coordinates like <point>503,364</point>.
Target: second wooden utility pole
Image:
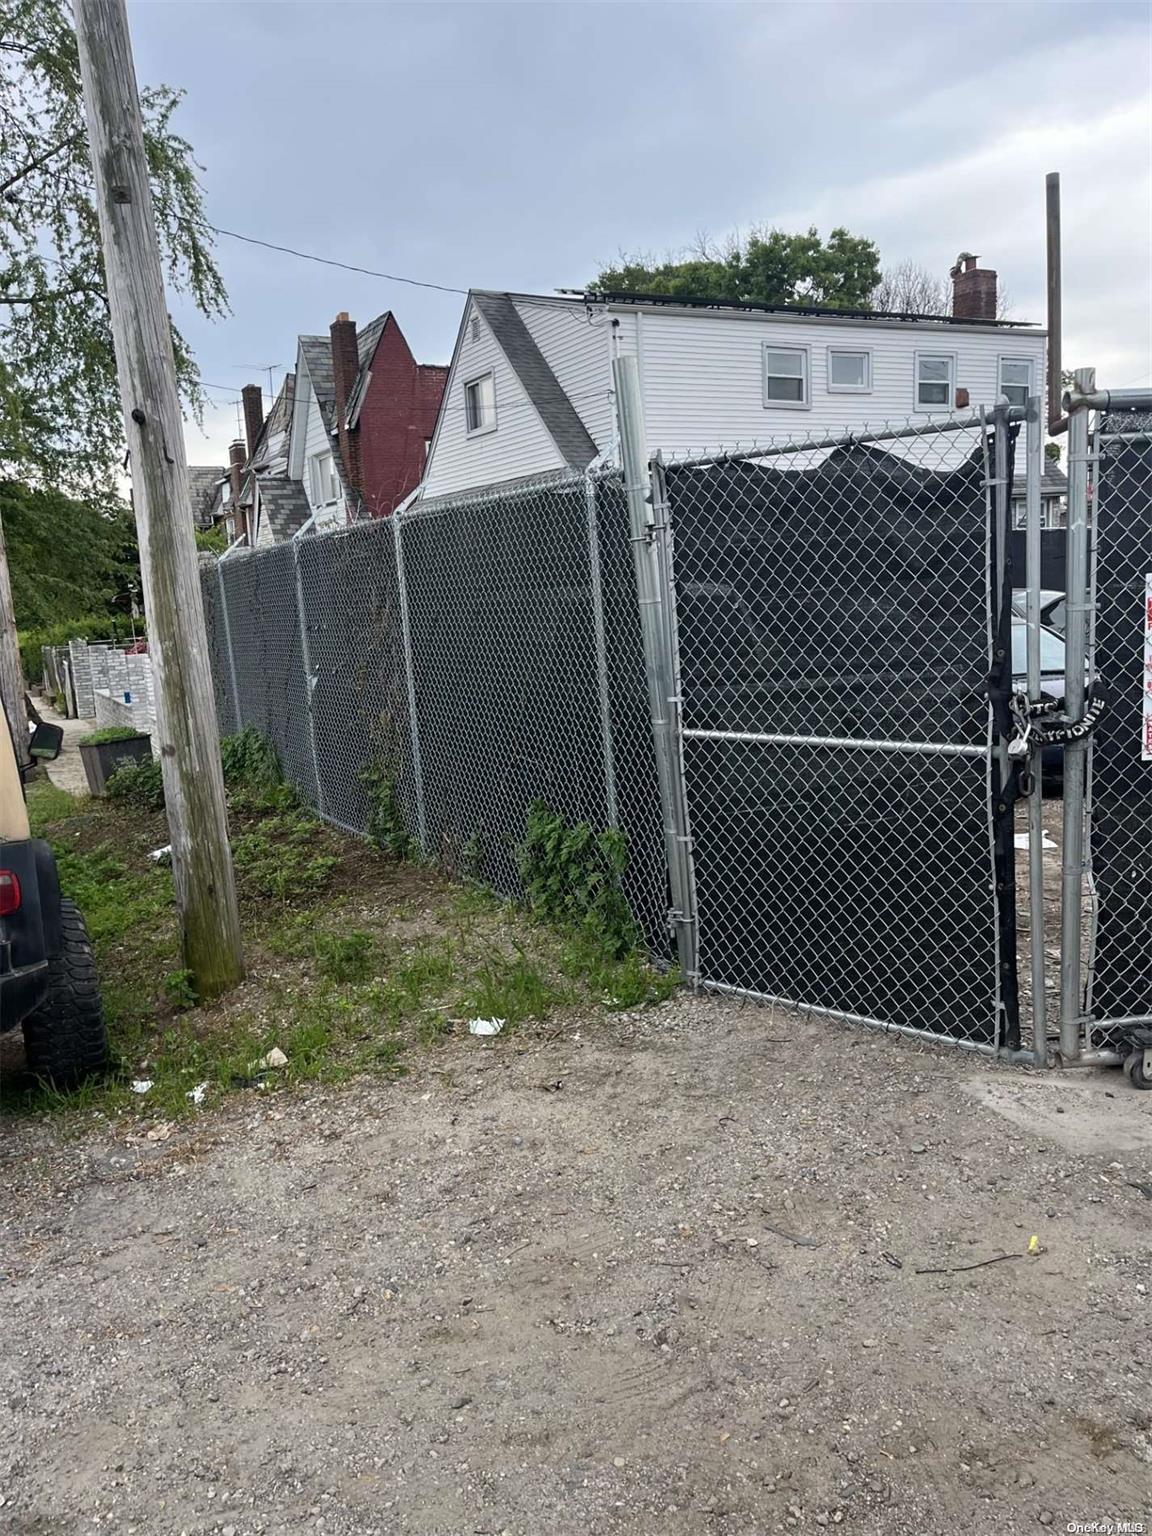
<point>11,672</point>
<point>186,714</point>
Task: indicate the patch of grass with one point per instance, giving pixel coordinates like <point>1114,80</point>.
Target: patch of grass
<point>48,804</point>
<point>345,956</point>
<point>514,988</point>
<point>386,826</point>
<point>282,857</point>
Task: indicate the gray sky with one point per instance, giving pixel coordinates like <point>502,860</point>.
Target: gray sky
<point>522,145</point>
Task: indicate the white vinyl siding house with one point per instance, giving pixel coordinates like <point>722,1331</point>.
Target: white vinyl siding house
<point>520,445</point>
<point>712,378</point>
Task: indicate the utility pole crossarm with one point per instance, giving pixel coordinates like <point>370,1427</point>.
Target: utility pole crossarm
<point>145,365</point>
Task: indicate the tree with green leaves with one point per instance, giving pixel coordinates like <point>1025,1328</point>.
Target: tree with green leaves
<point>769,266</point>
<point>60,422</point>
<point>68,558</point>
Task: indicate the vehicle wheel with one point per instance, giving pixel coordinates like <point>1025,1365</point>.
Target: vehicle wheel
<point>1134,1069</point>
<point>66,1038</point>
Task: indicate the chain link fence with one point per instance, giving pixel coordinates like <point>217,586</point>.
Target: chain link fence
<point>1119,973</point>
<point>836,621</point>
<point>433,675</point>
<point>786,674</point>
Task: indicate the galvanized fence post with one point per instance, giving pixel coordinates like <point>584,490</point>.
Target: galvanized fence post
<point>1034,581</point>
<point>1077,604</point>
<point>309,674</point>
<point>649,530</point>
<point>236,710</point>
<point>597,592</point>
<point>410,679</point>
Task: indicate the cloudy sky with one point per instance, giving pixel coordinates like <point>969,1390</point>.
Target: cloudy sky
<point>523,145</point>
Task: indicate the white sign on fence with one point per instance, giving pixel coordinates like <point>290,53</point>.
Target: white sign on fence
<point>1146,722</point>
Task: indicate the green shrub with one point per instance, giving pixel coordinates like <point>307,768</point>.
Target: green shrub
<point>109,733</point>
<point>101,626</point>
<point>250,761</point>
<point>572,876</point>
<point>140,784</point>
<point>385,820</point>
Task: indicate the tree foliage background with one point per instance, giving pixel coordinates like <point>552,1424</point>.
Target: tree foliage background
<point>768,266</point>
<point>59,406</point>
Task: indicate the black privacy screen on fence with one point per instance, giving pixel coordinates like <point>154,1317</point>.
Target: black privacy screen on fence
<point>461,662</point>
<point>1121,761</point>
<point>833,629</point>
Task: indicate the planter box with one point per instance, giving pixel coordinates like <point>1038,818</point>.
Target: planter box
<point>101,759</point>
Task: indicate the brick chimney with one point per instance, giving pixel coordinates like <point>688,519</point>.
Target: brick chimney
<point>237,457</point>
<point>345,368</point>
<point>253,399</point>
<point>973,289</point>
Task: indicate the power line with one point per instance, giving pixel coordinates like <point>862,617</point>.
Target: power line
<point>326,261</point>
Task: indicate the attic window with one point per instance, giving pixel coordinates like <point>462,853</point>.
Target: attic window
<point>480,405</point>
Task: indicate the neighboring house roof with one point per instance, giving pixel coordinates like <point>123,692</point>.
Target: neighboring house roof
<point>684,301</point>
<point>367,340</point>
<point>317,352</point>
<point>203,485</point>
<point>271,451</point>
<point>1053,482</point>
<point>572,438</point>
<point>285,504</point>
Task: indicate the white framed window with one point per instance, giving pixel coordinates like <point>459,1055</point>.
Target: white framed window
<point>786,377</point>
<point>849,371</point>
<point>325,480</point>
<point>1014,379</point>
<point>480,405</point>
<point>935,381</point>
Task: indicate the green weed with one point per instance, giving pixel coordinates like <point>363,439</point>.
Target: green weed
<point>571,877</point>
<point>138,783</point>
<point>345,956</point>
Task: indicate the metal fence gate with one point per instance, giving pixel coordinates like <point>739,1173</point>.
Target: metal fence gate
<point>787,675</point>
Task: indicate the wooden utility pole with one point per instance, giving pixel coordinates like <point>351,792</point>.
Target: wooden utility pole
<point>11,672</point>
<point>186,714</point>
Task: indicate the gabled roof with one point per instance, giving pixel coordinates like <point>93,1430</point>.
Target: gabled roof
<point>540,384</point>
<point>203,483</point>
<point>285,504</point>
<point>317,352</point>
<point>367,341</point>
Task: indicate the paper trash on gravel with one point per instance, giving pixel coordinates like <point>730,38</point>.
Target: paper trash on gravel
<point>486,1026</point>
<point>274,1058</point>
<point>161,855</point>
<point>197,1094</point>
<point>142,1085</point>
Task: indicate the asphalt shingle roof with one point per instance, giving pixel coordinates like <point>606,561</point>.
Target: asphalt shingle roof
<point>203,482</point>
<point>540,384</point>
<point>285,502</point>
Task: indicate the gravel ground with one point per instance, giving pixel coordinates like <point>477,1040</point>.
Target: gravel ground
<point>662,1276</point>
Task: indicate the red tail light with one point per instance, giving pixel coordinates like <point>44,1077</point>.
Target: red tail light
<point>9,893</point>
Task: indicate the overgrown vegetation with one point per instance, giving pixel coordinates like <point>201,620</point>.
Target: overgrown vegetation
<point>385,819</point>
<point>139,784</point>
<point>572,876</point>
<point>89,626</point>
<point>356,962</point>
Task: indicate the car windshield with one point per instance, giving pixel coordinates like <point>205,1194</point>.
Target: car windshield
<point>1051,651</point>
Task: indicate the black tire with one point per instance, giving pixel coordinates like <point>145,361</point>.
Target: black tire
<point>66,1039</point>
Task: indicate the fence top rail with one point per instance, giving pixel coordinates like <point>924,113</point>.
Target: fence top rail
<point>849,437</point>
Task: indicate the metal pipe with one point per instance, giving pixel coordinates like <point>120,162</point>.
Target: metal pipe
<point>228,644</point>
<point>597,594</point>
<point>1033,545</point>
<point>1075,752</point>
<point>883,435</point>
<point>309,675</point>
<point>1022,1058</point>
<point>1000,517</point>
<point>1094,1059</point>
<point>657,663</point>
<point>865,743</point>
<point>1055,331</point>
<point>410,679</point>
<point>1108,399</point>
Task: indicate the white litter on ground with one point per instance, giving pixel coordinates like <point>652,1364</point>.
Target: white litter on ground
<point>486,1026</point>
<point>142,1085</point>
<point>197,1094</point>
<point>1020,840</point>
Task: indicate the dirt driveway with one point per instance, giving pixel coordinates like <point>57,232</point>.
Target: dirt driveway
<point>661,1281</point>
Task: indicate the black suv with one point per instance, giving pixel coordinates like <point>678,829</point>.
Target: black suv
<point>48,977</point>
